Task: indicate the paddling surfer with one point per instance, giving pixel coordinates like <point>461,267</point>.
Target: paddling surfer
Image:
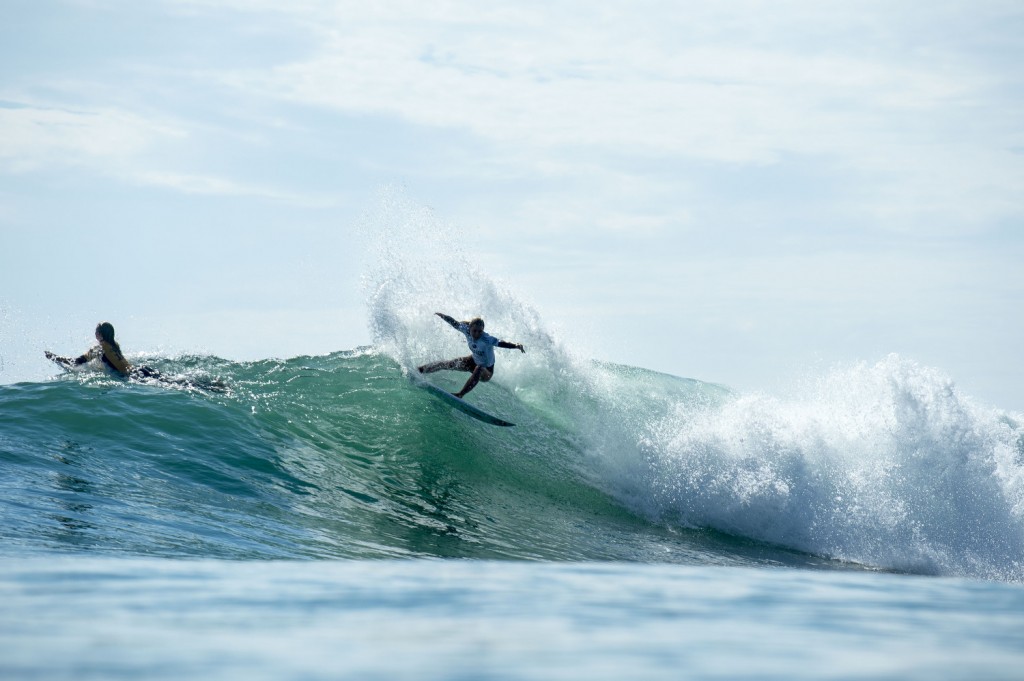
<point>109,352</point>
<point>481,362</point>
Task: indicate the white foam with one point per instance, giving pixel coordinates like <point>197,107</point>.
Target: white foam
<point>884,464</point>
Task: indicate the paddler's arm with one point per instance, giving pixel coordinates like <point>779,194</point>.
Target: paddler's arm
<point>511,346</point>
<point>69,361</point>
<point>63,361</point>
<point>450,320</point>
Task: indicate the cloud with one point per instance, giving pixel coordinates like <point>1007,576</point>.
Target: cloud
<point>564,84</point>
<point>917,124</point>
<point>207,185</point>
<point>115,143</point>
<point>33,136</point>
<point>863,90</point>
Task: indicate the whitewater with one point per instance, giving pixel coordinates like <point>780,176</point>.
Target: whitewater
<point>325,517</point>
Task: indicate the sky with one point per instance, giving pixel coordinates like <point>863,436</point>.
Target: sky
<point>740,192</point>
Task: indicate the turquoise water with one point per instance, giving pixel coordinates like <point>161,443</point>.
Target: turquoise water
<point>325,517</point>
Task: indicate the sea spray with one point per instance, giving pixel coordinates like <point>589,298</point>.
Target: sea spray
<point>422,267</point>
<point>884,464</point>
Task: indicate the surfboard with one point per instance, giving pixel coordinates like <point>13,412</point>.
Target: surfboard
<point>463,406</point>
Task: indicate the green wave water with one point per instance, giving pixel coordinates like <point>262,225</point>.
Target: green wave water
<point>335,456</point>
<point>343,456</point>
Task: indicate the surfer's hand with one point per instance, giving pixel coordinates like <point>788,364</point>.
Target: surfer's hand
<point>450,320</point>
<point>63,361</point>
<point>521,348</point>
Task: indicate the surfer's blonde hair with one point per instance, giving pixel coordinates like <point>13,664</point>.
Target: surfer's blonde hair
<point>476,321</point>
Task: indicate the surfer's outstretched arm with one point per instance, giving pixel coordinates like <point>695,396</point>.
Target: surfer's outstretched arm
<point>511,346</point>
<point>70,361</point>
<point>451,320</point>
<point>57,359</point>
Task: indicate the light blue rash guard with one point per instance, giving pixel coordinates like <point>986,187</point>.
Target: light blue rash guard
<point>482,347</point>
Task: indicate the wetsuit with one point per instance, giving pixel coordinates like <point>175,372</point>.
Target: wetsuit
<point>124,370</point>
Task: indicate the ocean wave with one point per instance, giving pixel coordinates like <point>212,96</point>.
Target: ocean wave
<point>880,465</point>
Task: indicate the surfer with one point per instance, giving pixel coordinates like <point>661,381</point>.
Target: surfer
<point>481,362</point>
<point>109,352</point>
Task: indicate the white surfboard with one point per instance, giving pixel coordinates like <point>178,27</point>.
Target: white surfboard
<point>463,406</point>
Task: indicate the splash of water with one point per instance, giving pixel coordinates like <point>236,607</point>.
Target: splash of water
<point>885,464</point>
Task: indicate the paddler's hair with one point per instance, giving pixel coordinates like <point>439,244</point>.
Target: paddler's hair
<point>106,332</point>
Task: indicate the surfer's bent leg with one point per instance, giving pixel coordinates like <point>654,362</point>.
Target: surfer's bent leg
<point>480,373</point>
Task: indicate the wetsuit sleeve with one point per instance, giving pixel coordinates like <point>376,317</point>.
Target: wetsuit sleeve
<point>450,320</point>
<point>90,354</point>
<point>63,361</point>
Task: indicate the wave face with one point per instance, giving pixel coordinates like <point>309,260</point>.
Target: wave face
<point>333,456</point>
<point>883,466</point>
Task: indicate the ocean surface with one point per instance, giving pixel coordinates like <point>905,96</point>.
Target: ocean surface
<point>325,517</point>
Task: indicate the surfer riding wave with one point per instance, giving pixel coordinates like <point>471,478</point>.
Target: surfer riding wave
<point>480,363</point>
